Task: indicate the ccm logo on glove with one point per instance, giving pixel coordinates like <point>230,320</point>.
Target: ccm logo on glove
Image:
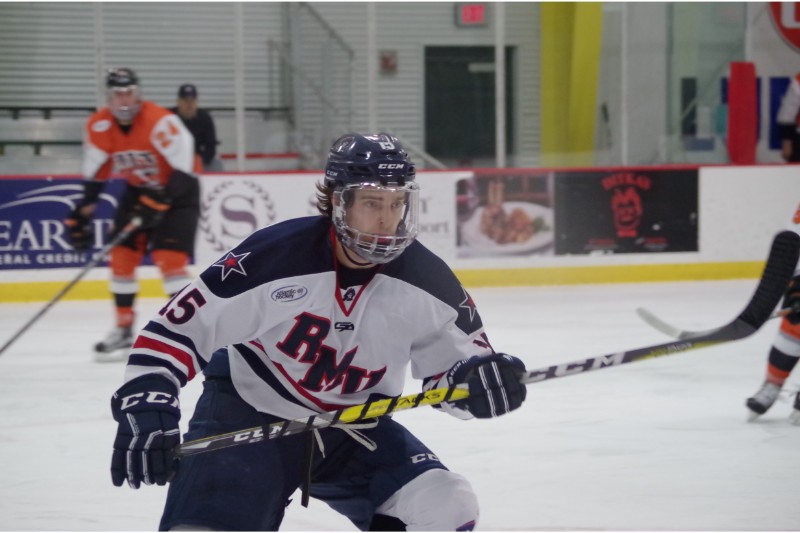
<point>148,414</point>
<point>153,397</point>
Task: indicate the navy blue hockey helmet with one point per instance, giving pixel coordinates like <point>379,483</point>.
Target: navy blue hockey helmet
<point>378,158</point>
<point>375,197</point>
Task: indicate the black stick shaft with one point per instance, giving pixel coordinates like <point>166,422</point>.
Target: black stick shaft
<point>778,271</point>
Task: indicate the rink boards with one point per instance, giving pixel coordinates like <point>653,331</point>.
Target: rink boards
<point>558,226</point>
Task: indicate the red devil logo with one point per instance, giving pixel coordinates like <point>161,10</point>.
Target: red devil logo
<point>627,206</point>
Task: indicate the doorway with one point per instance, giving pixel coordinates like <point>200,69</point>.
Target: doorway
<point>459,104</point>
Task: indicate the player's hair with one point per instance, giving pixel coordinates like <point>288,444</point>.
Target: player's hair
<point>324,199</point>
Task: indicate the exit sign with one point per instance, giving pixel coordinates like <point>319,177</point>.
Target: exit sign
<point>471,14</point>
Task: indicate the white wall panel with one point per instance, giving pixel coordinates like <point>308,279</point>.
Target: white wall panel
<point>49,58</point>
<point>46,54</point>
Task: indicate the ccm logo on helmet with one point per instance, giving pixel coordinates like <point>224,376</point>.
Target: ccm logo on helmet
<point>391,166</point>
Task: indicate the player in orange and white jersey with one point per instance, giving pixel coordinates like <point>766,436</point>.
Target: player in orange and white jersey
<point>785,351</point>
<point>151,148</point>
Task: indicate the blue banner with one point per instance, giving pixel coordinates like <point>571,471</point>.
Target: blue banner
<point>32,213</point>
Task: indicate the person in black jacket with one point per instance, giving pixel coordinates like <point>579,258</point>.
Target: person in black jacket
<point>199,122</point>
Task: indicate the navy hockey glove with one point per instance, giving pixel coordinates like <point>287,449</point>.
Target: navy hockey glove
<point>791,301</point>
<point>151,207</point>
<point>80,229</point>
<point>148,412</point>
<point>494,387</point>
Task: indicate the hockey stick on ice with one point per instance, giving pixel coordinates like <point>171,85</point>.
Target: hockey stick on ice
<point>677,333</point>
<point>777,273</point>
<point>99,256</point>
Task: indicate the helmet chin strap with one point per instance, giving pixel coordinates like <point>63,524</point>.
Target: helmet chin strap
<point>350,257</point>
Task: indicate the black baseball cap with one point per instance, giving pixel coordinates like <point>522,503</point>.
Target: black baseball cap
<point>187,90</point>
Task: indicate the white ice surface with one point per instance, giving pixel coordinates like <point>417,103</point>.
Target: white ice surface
<point>654,445</point>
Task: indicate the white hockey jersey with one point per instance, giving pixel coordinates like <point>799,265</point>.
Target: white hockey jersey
<point>298,343</point>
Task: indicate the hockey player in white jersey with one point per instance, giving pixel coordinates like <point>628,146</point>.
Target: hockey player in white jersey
<point>305,316</point>
<point>785,350</point>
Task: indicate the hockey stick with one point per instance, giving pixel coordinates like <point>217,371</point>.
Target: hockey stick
<point>781,263</point>
<point>777,273</point>
<point>677,333</point>
<point>99,256</point>
<point>355,413</point>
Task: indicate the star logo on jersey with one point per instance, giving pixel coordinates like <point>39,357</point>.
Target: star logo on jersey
<point>232,263</point>
<point>468,304</point>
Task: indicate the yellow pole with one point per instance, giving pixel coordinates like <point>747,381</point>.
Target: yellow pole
<point>570,64</point>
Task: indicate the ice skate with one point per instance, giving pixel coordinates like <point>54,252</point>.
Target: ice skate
<point>115,346</point>
<point>794,418</point>
<point>762,400</point>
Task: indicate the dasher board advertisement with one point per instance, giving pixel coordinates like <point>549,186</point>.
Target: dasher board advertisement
<point>626,211</point>
<point>32,213</point>
<point>505,214</point>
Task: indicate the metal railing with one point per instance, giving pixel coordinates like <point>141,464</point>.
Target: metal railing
<point>320,64</point>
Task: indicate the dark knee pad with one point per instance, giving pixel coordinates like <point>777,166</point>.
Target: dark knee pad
<point>382,522</point>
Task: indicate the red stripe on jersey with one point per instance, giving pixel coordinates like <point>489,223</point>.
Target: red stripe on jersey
<point>168,349</point>
<point>306,394</point>
<point>338,292</point>
<point>300,390</point>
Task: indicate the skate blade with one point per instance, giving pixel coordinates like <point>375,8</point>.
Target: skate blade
<point>116,356</point>
<point>752,416</point>
<point>794,418</point>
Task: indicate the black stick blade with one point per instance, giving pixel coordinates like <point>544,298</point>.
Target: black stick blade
<point>778,272</point>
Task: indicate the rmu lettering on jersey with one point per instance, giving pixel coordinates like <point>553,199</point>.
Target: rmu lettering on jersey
<point>304,343</point>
